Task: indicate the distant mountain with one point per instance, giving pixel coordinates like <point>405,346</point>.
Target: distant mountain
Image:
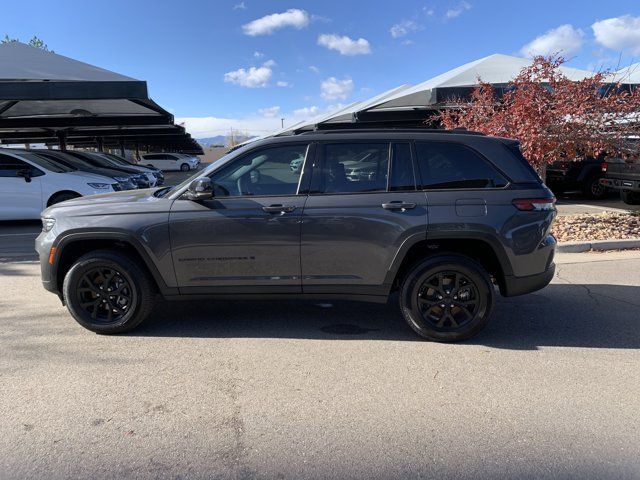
<point>208,141</point>
<point>222,140</point>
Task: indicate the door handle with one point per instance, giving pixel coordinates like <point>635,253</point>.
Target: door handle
<point>282,209</point>
<point>398,205</point>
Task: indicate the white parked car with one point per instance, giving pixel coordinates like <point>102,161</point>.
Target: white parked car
<point>170,161</point>
<point>30,183</point>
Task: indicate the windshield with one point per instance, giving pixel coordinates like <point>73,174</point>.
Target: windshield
<point>97,160</point>
<point>115,159</point>
<point>46,164</point>
<point>67,161</point>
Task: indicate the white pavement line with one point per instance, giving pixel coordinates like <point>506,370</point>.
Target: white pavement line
<point>18,234</point>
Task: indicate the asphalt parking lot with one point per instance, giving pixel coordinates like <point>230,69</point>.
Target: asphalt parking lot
<point>551,389</point>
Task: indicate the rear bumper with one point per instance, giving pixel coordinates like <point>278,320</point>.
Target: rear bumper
<point>514,286</point>
<point>621,184</point>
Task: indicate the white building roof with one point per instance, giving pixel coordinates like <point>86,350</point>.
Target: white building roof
<point>496,69</point>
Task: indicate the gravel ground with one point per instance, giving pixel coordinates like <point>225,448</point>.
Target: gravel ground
<point>605,226</point>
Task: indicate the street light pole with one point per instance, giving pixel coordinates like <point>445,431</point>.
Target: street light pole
<point>282,122</point>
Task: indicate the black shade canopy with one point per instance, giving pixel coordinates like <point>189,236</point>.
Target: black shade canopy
<point>46,97</point>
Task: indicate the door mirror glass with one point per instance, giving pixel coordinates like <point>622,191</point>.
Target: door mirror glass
<point>26,173</point>
<point>200,189</point>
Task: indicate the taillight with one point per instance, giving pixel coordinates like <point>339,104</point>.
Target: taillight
<point>535,204</point>
<point>604,166</point>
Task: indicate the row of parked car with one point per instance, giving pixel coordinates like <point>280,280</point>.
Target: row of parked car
<point>31,180</point>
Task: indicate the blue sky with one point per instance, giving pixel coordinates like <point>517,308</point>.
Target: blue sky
<point>246,64</point>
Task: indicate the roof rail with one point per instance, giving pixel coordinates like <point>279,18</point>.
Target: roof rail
<point>459,131</point>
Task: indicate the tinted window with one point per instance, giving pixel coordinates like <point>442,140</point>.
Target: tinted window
<point>402,177</point>
<point>9,166</point>
<point>355,167</point>
<point>451,165</point>
<point>268,171</point>
<point>44,163</point>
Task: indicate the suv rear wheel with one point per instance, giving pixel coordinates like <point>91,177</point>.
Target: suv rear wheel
<point>447,298</point>
<point>592,189</point>
<point>630,198</point>
<point>107,292</point>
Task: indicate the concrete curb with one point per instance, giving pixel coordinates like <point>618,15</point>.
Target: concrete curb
<point>578,247</point>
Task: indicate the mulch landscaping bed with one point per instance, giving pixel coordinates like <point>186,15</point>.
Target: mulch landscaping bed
<point>604,226</point>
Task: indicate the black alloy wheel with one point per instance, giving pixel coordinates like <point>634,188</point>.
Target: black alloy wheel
<point>108,291</point>
<point>105,294</point>
<point>447,298</point>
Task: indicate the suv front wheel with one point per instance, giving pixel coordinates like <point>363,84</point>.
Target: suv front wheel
<point>107,292</point>
<point>447,298</point>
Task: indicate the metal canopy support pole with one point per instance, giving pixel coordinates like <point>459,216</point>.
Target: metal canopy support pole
<point>122,148</point>
<point>62,140</point>
<point>100,142</point>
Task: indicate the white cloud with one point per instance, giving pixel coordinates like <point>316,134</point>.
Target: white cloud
<point>403,28</point>
<point>335,89</point>
<point>306,112</point>
<point>565,40</point>
<point>430,12</point>
<point>345,45</point>
<point>255,124</point>
<point>314,69</point>
<point>269,112</point>
<point>619,33</point>
<point>240,6</point>
<point>268,24</point>
<point>257,54</point>
<point>282,83</point>
<point>252,77</point>
<point>457,11</point>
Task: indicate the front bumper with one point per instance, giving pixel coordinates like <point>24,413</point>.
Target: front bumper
<point>44,242</point>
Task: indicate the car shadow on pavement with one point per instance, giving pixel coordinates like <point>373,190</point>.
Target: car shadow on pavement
<point>562,315</point>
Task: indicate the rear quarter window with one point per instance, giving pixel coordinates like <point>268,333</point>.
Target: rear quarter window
<point>449,165</point>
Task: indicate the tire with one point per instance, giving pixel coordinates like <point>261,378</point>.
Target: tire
<point>630,198</point>
<point>184,167</point>
<point>592,189</point>
<point>61,197</point>
<point>419,295</point>
<point>108,268</point>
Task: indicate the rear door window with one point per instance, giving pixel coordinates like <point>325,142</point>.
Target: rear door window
<point>448,165</point>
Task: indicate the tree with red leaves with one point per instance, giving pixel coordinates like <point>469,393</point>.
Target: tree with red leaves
<point>553,117</point>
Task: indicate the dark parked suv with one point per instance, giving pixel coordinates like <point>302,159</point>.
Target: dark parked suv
<point>441,218</point>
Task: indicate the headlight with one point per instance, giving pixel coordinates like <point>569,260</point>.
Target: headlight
<point>47,224</point>
<point>121,179</point>
<point>100,186</point>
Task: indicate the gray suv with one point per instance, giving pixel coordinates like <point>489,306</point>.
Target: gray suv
<point>442,218</point>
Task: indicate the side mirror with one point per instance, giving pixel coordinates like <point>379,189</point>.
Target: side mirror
<point>200,189</point>
<point>25,173</point>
